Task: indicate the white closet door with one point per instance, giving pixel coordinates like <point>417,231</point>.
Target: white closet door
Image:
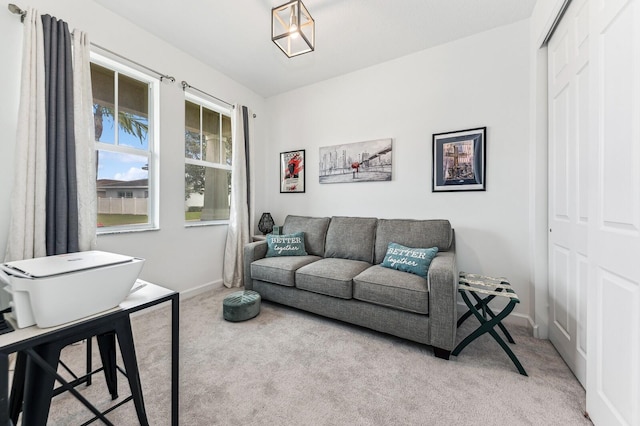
<point>613,369</point>
<point>568,91</point>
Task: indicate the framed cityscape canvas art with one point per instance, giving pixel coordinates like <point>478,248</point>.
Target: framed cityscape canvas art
<point>459,160</point>
<point>368,161</point>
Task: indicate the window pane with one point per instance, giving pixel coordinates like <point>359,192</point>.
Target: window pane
<point>122,189</point>
<point>192,131</point>
<point>226,138</point>
<point>102,82</point>
<point>207,193</point>
<point>133,112</point>
<point>211,135</point>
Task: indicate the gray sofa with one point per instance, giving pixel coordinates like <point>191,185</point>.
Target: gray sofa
<point>341,277</point>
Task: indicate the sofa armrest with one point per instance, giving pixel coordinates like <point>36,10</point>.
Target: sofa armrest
<point>252,252</point>
<point>443,300</point>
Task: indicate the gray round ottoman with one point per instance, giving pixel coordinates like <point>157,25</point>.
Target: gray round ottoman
<point>241,305</point>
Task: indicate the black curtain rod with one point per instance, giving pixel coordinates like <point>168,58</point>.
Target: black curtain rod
<point>186,86</point>
<point>18,11</point>
<point>162,76</point>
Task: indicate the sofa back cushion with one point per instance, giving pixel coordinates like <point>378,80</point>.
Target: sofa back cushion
<point>351,238</point>
<point>314,228</point>
<point>412,233</point>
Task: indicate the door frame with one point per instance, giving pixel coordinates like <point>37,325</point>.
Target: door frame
<point>549,15</point>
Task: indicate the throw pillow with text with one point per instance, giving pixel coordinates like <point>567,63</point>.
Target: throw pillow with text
<point>286,245</point>
<point>407,259</point>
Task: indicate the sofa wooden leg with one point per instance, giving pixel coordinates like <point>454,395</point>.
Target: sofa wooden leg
<point>441,353</point>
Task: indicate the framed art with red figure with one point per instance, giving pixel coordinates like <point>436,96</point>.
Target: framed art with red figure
<point>292,171</point>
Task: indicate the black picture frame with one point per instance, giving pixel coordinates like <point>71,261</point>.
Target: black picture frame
<point>459,160</point>
<point>292,171</point>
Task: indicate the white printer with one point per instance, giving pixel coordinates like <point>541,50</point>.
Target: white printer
<point>53,290</point>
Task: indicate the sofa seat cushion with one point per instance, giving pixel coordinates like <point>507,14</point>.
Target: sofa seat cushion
<point>395,289</point>
<point>280,270</point>
<point>333,277</point>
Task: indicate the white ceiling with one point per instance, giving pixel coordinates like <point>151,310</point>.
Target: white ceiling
<point>234,36</point>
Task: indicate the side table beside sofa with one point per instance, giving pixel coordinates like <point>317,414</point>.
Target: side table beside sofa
<point>484,289</point>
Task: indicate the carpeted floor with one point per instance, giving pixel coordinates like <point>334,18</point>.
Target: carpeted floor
<point>288,367</point>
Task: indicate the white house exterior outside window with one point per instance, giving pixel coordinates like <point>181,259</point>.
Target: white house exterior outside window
<point>208,149</point>
<point>125,110</point>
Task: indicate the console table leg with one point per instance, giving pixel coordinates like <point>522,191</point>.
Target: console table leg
<point>125,339</point>
<point>175,353</point>
<point>107,346</point>
<point>4,386</point>
<point>52,374</point>
<point>17,387</point>
<point>38,389</point>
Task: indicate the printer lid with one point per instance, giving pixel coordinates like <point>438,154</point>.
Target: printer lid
<point>64,263</point>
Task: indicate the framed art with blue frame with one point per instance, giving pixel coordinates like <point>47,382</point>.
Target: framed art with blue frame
<point>459,160</point>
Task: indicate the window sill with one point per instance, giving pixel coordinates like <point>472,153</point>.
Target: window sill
<point>207,223</point>
<point>125,231</point>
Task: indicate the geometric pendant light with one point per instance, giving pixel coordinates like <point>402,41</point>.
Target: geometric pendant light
<point>293,28</point>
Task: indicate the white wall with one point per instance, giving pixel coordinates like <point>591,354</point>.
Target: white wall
<point>177,257</point>
<point>478,81</point>
<point>483,80</point>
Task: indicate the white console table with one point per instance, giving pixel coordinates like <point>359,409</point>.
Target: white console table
<point>25,339</point>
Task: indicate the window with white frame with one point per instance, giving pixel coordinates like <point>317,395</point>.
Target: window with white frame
<point>207,168</point>
<point>124,110</point>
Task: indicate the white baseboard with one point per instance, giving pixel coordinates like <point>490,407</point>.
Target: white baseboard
<point>192,292</point>
<point>514,318</point>
<point>536,331</point>
<point>520,320</point>
<point>186,294</point>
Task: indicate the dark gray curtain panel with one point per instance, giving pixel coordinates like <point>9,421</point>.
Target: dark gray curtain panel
<point>245,125</point>
<point>61,194</point>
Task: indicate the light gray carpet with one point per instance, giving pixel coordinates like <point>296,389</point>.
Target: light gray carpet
<point>288,367</point>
